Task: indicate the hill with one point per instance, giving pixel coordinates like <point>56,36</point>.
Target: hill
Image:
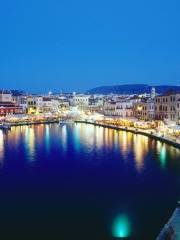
<point>132,89</point>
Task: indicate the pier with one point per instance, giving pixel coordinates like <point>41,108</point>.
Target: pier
<point>171,230</point>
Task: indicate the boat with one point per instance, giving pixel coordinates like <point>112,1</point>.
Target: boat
<point>67,121</point>
<point>5,126</point>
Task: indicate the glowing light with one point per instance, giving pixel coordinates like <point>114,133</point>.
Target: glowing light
<point>1,145</point>
<point>140,150</point>
<point>30,143</point>
<point>121,227</point>
<point>77,133</point>
<point>64,137</point>
<point>99,136</point>
<point>139,108</point>
<point>163,156</point>
<point>125,143</point>
<point>47,138</point>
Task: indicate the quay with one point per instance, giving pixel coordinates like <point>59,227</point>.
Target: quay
<point>171,230</point>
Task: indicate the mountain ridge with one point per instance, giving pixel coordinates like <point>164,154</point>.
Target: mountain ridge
<point>133,89</point>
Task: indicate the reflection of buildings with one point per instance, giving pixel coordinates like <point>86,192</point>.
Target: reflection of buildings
<point>94,136</point>
<point>140,150</point>
<point>1,147</point>
<point>99,137</point>
<point>123,139</point>
<point>125,142</point>
<point>30,142</point>
<point>162,151</point>
<point>39,133</point>
<point>47,138</point>
<point>64,137</point>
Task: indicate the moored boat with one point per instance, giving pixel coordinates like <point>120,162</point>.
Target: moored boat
<point>67,121</point>
<point>5,126</point>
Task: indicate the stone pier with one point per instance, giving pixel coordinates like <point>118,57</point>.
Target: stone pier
<point>171,230</point>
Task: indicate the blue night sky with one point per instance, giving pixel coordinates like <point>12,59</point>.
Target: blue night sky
<point>67,44</point>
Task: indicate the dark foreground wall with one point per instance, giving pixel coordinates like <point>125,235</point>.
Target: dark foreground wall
<point>171,230</point>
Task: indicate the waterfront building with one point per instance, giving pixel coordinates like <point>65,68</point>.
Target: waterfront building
<point>95,104</point>
<point>96,101</point>
<point>34,104</point>
<point>64,104</point>
<point>55,105</point>
<point>167,107</point>
<point>7,106</point>
<point>5,96</point>
<point>110,108</point>
<point>145,109</point>
<point>178,110</point>
<point>21,101</point>
<point>123,108</point>
<point>46,104</point>
<point>81,100</point>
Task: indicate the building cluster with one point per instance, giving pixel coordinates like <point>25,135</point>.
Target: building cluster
<point>145,107</point>
<point>7,104</point>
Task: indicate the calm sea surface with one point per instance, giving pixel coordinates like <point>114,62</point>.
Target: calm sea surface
<point>84,182</point>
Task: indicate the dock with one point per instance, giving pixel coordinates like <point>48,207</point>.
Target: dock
<point>171,230</point>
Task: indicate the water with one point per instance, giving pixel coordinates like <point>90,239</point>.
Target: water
<point>84,182</point>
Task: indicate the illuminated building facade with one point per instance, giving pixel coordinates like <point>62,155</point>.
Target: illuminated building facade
<point>146,109</point>
<point>167,107</point>
<point>81,100</point>
<point>7,106</point>
<point>5,96</point>
<point>123,108</point>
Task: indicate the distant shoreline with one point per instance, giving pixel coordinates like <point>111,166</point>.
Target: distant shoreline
<point>33,123</point>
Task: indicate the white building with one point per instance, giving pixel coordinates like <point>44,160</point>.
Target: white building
<point>110,108</point>
<point>55,105</point>
<point>21,101</point>
<point>123,108</point>
<point>147,109</point>
<point>167,107</point>
<point>81,100</point>
<point>34,104</point>
<point>5,96</point>
<point>46,104</point>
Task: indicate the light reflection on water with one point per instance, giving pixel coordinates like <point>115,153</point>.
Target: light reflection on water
<point>1,147</point>
<point>140,150</point>
<point>64,137</point>
<point>47,138</point>
<point>30,143</point>
<point>121,227</point>
<point>124,155</point>
<point>89,136</point>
